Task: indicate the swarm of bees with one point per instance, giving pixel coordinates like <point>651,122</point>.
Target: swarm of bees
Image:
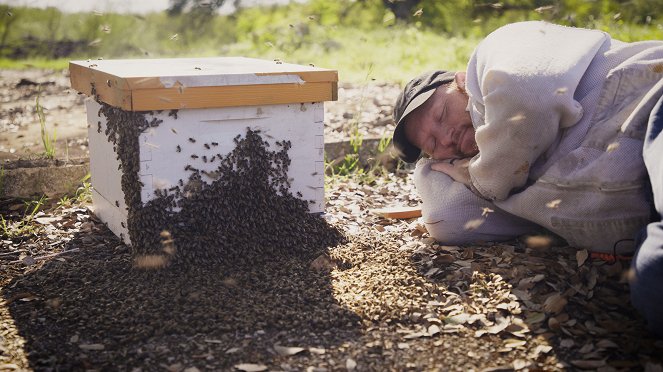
<point>243,208</point>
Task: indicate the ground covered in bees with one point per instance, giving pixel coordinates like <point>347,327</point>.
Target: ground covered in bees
<point>383,296</point>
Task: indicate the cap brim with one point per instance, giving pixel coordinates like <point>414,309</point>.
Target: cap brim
<point>416,102</point>
<point>408,152</point>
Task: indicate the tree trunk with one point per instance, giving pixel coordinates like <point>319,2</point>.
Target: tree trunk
<point>402,9</point>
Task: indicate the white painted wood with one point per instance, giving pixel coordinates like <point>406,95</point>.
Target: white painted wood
<point>208,72</point>
<point>161,166</point>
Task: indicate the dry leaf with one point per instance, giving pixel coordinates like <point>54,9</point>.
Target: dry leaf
<point>567,343</point>
<point>457,319</point>
<point>287,351</point>
<point>250,367</point>
<point>535,318</point>
<point>581,257</point>
<point>514,343</point>
<point>542,349</point>
<point>588,364</point>
<point>318,351</point>
<point>403,345</point>
<point>554,303</point>
<point>191,369</point>
<point>606,344</point>
<point>501,325</point>
<point>89,347</point>
<point>350,364</point>
<point>433,330</point>
<point>519,364</point>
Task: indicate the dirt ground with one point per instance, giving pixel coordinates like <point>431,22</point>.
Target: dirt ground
<point>368,107</point>
<point>384,297</point>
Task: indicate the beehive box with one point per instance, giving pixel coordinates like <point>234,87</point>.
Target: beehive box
<point>194,109</point>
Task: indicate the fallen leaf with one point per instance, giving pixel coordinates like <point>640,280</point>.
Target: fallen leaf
<point>250,367</point>
<point>542,349</point>
<point>403,345</point>
<point>191,369</point>
<point>350,364</point>
<point>433,330</point>
<point>315,350</point>
<point>514,343</point>
<point>554,303</point>
<point>581,257</point>
<point>588,364</point>
<point>232,350</point>
<point>91,347</point>
<point>287,351</point>
<point>519,364</point>
<point>605,344</point>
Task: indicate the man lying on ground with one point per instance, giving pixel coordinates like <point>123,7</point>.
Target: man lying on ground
<point>545,129</point>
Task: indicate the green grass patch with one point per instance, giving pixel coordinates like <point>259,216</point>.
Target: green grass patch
<point>345,35</point>
<point>42,63</point>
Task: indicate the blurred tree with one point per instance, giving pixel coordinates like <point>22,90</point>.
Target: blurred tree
<point>402,9</point>
<point>7,18</point>
<point>197,6</point>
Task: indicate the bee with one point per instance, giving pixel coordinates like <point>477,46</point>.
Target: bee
<point>178,149</point>
<point>206,146</point>
<point>194,156</point>
<point>215,144</point>
<point>192,140</point>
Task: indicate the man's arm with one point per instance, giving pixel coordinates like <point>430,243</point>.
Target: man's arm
<point>455,215</point>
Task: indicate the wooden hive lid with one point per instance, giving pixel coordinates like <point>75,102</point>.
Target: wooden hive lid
<point>176,83</point>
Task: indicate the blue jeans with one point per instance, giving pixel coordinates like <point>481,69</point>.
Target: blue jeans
<point>647,264</point>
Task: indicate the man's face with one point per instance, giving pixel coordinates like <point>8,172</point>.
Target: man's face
<point>441,127</point>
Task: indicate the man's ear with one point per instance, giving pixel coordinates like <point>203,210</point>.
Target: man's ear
<point>460,79</point>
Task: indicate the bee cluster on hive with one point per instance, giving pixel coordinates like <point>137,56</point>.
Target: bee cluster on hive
<point>241,208</point>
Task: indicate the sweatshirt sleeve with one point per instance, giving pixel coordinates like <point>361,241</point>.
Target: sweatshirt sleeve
<point>521,80</point>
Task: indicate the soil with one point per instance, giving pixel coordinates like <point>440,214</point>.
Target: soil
<point>384,297</point>
<point>368,108</point>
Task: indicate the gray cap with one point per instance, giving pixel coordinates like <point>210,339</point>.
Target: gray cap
<point>415,93</point>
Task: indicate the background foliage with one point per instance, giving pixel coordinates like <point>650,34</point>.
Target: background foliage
<point>350,35</point>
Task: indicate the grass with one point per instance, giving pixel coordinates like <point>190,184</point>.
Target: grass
<point>47,140</point>
<point>24,226</point>
<point>28,63</point>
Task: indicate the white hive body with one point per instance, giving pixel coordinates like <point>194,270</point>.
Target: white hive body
<point>198,137</point>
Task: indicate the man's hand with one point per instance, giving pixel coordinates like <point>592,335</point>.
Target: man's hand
<point>456,169</point>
